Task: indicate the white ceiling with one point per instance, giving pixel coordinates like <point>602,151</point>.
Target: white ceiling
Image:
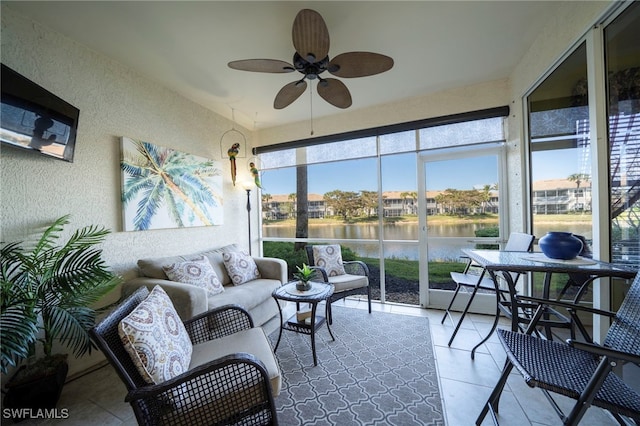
<point>186,46</point>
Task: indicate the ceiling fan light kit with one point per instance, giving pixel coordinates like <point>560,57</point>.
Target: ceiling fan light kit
<point>311,59</point>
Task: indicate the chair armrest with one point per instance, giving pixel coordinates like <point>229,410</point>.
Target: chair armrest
<point>239,374</point>
<point>356,267</point>
<point>218,322</point>
<point>189,300</point>
<point>604,351</point>
<point>272,268</point>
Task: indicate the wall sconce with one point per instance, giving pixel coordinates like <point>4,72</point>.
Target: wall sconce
<point>248,185</point>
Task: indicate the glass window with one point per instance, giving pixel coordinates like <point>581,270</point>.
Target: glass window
<point>363,194</point>
<point>622,53</point>
<point>560,154</point>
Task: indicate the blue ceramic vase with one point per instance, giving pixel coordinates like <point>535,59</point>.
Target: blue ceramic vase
<point>560,245</point>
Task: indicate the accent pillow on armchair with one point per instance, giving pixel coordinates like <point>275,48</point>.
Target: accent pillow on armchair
<point>156,339</point>
<point>329,258</point>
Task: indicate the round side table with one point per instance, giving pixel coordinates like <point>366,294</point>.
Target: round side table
<point>317,293</point>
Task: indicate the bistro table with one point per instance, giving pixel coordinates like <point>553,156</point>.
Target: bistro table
<point>504,262</point>
<point>317,293</point>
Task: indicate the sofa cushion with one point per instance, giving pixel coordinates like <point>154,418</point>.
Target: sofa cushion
<point>152,267</point>
<point>252,341</point>
<point>215,257</point>
<point>329,258</point>
<point>241,267</point>
<point>248,295</point>
<point>197,272</point>
<point>155,338</point>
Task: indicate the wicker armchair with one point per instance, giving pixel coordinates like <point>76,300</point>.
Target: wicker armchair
<point>232,389</point>
<point>355,281</point>
<point>579,370</point>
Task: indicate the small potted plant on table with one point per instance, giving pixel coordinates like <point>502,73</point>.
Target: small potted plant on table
<point>304,274</point>
<point>47,294</point>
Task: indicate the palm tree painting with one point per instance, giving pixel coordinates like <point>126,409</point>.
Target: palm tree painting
<point>165,188</point>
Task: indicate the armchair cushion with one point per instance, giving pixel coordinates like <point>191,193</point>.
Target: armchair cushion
<point>348,282</point>
<point>241,267</point>
<point>253,341</point>
<point>329,258</point>
<point>197,272</point>
<point>155,338</point>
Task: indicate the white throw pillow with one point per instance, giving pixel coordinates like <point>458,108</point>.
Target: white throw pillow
<point>241,267</point>
<point>155,338</point>
<point>196,271</point>
<point>329,258</point>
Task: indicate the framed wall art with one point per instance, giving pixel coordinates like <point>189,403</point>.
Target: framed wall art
<point>165,188</point>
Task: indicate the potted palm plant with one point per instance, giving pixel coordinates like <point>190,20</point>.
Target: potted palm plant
<point>47,295</point>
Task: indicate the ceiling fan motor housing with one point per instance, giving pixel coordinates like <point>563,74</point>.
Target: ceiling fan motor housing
<point>312,70</point>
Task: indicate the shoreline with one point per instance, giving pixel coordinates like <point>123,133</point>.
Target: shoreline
<point>580,219</point>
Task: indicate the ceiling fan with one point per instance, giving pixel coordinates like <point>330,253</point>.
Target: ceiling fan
<point>311,59</point>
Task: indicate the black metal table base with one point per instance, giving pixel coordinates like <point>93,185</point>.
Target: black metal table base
<point>292,324</point>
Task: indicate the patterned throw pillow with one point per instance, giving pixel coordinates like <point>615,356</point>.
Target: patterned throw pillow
<point>196,271</point>
<point>155,338</point>
<point>329,258</point>
<point>241,267</point>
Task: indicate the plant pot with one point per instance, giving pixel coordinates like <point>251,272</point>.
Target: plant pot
<point>36,387</point>
<point>303,285</point>
<point>560,245</point>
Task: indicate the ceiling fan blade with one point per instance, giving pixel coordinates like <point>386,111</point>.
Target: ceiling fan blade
<point>359,64</point>
<point>310,36</point>
<point>289,93</point>
<point>335,92</point>
<point>261,65</point>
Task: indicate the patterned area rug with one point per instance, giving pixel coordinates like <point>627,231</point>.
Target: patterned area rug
<point>379,371</point>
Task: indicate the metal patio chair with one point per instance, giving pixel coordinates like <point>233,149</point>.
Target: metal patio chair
<point>579,370</point>
<point>474,278</point>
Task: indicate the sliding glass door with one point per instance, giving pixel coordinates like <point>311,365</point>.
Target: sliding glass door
<point>461,209</point>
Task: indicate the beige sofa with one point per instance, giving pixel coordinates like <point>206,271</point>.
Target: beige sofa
<point>190,300</point>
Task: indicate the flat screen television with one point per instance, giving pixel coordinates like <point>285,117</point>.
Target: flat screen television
<point>32,118</point>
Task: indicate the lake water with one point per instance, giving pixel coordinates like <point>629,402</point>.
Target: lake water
<point>440,247</point>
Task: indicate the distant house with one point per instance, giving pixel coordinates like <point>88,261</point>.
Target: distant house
<point>559,196</point>
<point>554,196</point>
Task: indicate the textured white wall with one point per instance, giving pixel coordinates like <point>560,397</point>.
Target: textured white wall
<point>113,101</point>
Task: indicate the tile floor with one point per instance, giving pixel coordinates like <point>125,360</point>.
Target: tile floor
<point>97,398</point>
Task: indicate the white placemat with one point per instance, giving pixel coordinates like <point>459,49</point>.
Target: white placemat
<point>540,257</point>
<point>315,289</point>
